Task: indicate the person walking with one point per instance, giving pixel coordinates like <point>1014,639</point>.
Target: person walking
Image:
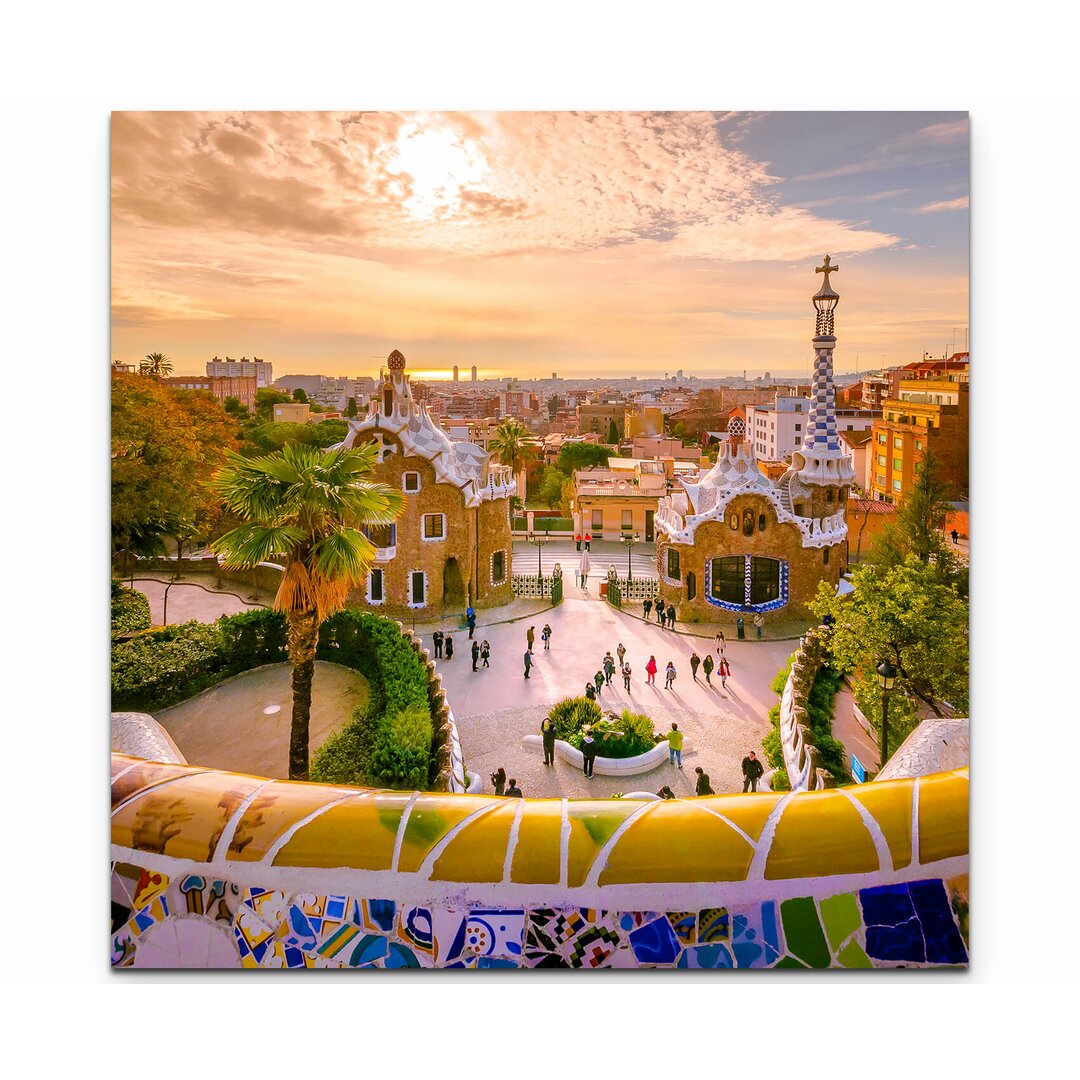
<point>671,616</point>
<point>475,653</point>
<point>650,671</point>
<point>751,770</point>
<point>449,646</point>
<point>485,652</point>
<point>707,666</point>
<point>661,615</point>
<point>620,652</point>
<point>647,607</point>
<point>588,541</point>
<point>703,786</point>
<point>547,733</point>
<point>528,661</point>
<point>590,691</point>
<point>545,636</point>
<point>723,669</point>
<point>513,791</point>
<point>470,619</point>
<point>498,778</point>
<point>437,640</point>
<point>669,675</point>
<point>720,642</point>
<point>609,668</point>
<point>530,637</point>
<point>598,679</point>
<point>675,745</point>
<point>695,663</point>
<point>626,673</point>
<point>588,750</point>
<point>759,624</point>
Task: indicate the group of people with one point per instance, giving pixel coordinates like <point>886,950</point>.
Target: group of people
<point>530,641</point>
<point>665,616</point>
<point>511,789</point>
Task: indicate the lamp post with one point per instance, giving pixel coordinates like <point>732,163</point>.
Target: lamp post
<point>539,541</point>
<point>629,540</point>
<point>886,678</point>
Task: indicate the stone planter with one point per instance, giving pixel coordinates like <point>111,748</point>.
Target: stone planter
<point>607,766</point>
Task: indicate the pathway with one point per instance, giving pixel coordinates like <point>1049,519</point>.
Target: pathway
<point>602,554</point>
<point>193,598</point>
<point>495,708</point>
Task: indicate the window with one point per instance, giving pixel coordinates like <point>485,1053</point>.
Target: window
<point>673,564</point>
<point>498,567</point>
<point>896,485</point>
<point>828,496</point>
<point>733,520</point>
<point>628,521</point>
<point>898,464</point>
<point>798,407</point>
<point>417,588</point>
<point>881,438</point>
<point>879,478</point>
<point>729,579</point>
<point>410,482</point>
<point>918,444</point>
<point>898,443</point>
<point>691,585</point>
<point>434,526</point>
<point>598,521</point>
<point>798,440</point>
<point>761,521</point>
<point>798,427</point>
<point>825,556</point>
<point>881,459</point>
<point>375,586</point>
<point>764,580</point>
<point>381,536</point>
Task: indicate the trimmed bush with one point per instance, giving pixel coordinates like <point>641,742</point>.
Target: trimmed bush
<point>636,735</point>
<point>130,611</point>
<point>571,714</point>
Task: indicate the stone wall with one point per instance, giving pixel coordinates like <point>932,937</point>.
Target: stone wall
<point>212,869</point>
<point>801,758</point>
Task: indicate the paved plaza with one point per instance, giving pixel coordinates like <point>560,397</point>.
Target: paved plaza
<point>495,708</point>
<point>194,598</point>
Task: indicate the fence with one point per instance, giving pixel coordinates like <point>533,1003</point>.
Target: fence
<point>620,590</point>
<point>538,586</point>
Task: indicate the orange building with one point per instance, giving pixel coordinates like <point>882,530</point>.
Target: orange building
<point>221,386</point>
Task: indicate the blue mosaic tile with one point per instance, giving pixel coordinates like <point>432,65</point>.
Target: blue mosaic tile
<point>943,942</point>
<point>371,947</point>
<point>886,905</point>
<point>400,957</point>
<point>714,924</point>
<point>382,913</point>
<point>655,943</point>
<point>302,934</point>
<point>706,956</point>
<point>294,958</point>
<point>901,942</point>
<point>335,907</point>
<point>495,962</point>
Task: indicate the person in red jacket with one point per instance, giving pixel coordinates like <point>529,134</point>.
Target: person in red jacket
<point>650,670</point>
<point>723,669</point>
<point>588,540</point>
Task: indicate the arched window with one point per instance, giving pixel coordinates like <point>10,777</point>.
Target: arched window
<point>387,401</point>
<point>748,523</point>
<point>733,521</point>
<point>691,585</point>
<point>825,556</point>
<point>728,579</point>
<point>761,523</point>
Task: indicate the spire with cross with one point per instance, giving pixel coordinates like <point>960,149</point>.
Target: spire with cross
<point>822,434</point>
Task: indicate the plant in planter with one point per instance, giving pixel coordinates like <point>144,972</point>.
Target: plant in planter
<point>620,736</point>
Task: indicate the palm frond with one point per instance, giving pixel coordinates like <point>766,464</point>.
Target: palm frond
<point>344,555</point>
<point>305,589</point>
<point>248,545</point>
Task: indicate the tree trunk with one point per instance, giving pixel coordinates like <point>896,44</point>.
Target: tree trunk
<point>303,638</point>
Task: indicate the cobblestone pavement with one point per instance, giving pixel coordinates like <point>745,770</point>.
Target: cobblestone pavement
<point>495,708</point>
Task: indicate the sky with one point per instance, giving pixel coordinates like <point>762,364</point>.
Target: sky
<point>589,244</point>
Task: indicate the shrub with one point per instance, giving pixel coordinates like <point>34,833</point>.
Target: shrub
<point>130,610</point>
<point>779,780</point>
<point>571,714</point>
<point>637,735</point>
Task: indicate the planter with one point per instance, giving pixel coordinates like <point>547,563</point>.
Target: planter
<point>609,766</point>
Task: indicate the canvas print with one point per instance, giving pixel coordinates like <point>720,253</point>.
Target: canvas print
<point>539,540</point>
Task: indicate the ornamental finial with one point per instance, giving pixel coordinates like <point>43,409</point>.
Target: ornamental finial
<point>826,269</point>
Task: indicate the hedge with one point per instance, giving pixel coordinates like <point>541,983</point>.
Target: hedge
<point>130,610</point>
<point>572,714</point>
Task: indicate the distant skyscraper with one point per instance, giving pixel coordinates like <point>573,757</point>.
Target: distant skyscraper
<point>242,368</point>
<point>455,373</point>
<point>474,373</point>
<point>554,376</point>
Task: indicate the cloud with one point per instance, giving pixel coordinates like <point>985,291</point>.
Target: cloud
<point>945,204</point>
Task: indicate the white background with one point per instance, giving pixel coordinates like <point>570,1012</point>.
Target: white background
<point>65,67</point>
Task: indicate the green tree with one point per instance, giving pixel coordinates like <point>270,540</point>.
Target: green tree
<point>909,616</point>
<point>574,456</point>
<point>511,446</point>
<point>266,399</point>
<point>308,506</point>
<point>300,394</point>
<point>551,486</point>
<point>920,518</point>
<point>233,407</point>
<point>156,365</point>
<point>350,408</point>
<point>612,433</point>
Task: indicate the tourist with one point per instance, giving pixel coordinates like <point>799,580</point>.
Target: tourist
<point>751,770</point>
<point>449,643</point>
<point>577,540</point>
<point>647,607</point>
<point>955,537</point>
<point>759,624</point>
<point>470,619</point>
<point>590,691</point>
<point>703,785</point>
<point>721,642</point>
<point>588,749</point>
<point>545,636</point>
<point>621,653</point>
<point>669,675</point>
<point>498,778</point>
<point>547,733</point>
<point>666,793</point>
<point>626,673</point>
<point>609,668</point>
<point>695,663</point>
<point>661,614</point>
<point>598,678</point>
<point>530,637</point>
<point>513,791</point>
<point>650,671</point>
<point>723,669</point>
<point>707,666</point>
<point>485,652</point>
<point>588,540</point>
<point>475,653</point>
<point>675,744</point>
<point>437,640</point>
<point>528,661</point>
<point>671,616</point>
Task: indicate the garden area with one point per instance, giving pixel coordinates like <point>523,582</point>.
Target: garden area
<point>623,736</point>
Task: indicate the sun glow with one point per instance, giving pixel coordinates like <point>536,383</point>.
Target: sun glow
<point>434,165</point>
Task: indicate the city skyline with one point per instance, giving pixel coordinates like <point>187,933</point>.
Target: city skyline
<point>595,245</point>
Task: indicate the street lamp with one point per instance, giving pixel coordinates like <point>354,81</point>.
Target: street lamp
<point>629,540</point>
<point>539,541</point>
<point>886,677</point>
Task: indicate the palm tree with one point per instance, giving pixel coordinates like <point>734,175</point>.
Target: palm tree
<point>307,505</point>
<point>155,365</point>
<point>510,447</point>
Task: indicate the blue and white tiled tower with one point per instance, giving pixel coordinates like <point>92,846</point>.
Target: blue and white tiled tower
<point>822,460</point>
